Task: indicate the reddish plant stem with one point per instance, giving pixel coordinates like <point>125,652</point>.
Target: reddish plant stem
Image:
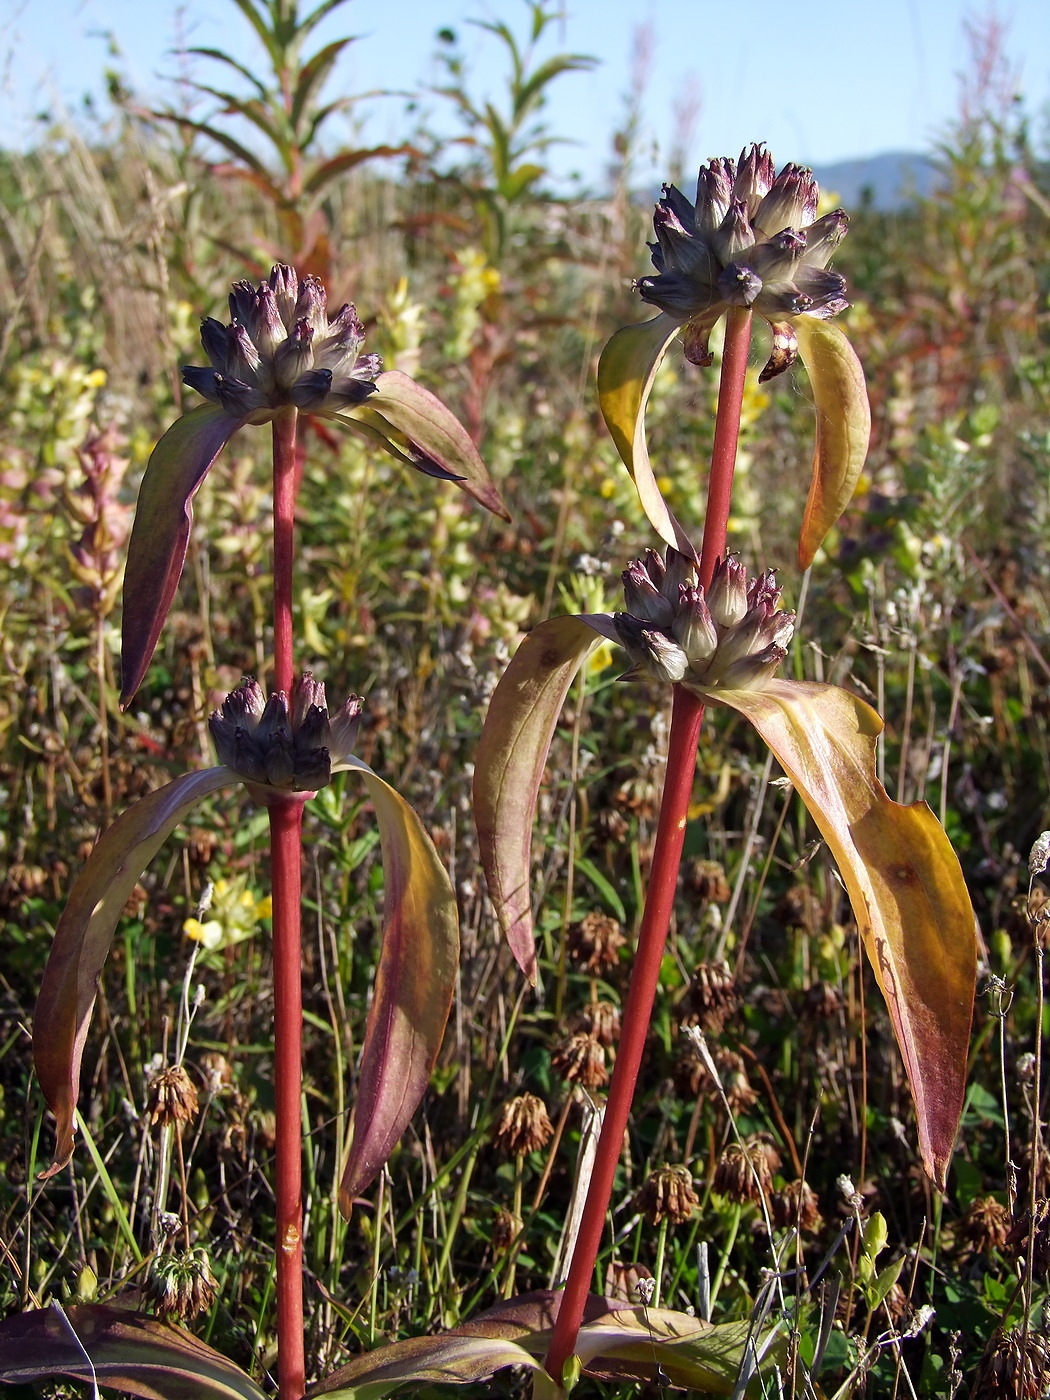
<point>687,715</point>
<point>284,484</point>
<point>286,819</point>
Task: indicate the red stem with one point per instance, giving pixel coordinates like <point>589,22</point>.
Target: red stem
<point>284,485</point>
<point>286,819</point>
<point>686,717</point>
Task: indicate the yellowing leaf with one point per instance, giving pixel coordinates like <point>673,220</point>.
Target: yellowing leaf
<point>626,372</point>
<point>904,882</point>
<point>843,428</point>
<point>413,987</point>
<point>84,936</point>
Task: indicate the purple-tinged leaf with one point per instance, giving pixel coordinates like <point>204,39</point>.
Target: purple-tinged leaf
<point>128,1351</point>
<point>448,1359</point>
<point>413,987</point>
<point>161,532</point>
<point>626,372</point>
<point>843,428</point>
<point>904,882</point>
<point>509,763</point>
<point>436,435</point>
<point>85,933</point>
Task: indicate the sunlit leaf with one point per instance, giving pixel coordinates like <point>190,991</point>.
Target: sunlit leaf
<point>509,763</point>
<point>324,174</point>
<point>413,987</point>
<point>85,933</point>
<point>843,428</point>
<point>435,433</point>
<point>626,372</point>
<point>128,1352</point>
<point>161,532</point>
<point>447,1359</point>
<point>904,882</point>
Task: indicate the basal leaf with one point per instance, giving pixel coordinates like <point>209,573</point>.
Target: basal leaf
<point>413,988</point>
<point>84,935</point>
<point>904,882</point>
<point>626,372</point>
<point>161,532</point>
<point>508,767</point>
<point>447,1359</point>
<point>843,427</point>
<point>435,432</point>
<point>128,1352</point>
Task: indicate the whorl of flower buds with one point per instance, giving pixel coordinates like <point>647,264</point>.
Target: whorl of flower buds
<point>733,637</point>
<point>265,741</point>
<point>752,240</point>
<point>280,349</point>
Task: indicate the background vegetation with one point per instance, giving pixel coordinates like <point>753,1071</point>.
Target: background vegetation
<point>932,602</point>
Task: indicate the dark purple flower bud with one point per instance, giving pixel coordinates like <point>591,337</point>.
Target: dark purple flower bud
<point>294,356</point>
<point>738,285</point>
<point>285,286</point>
<point>727,595</point>
<point>215,339</point>
<point>754,176</point>
<point>790,203</point>
<point>824,236</point>
<point>694,627</point>
<point>242,358</point>
<point>714,190</point>
<point>734,235</point>
<point>311,389</point>
<point>643,597</point>
<point>312,305</point>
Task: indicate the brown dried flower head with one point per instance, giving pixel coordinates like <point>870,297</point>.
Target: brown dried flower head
<point>595,942</point>
<point>524,1126</point>
<point>1021,1234</point>
<point>581,1060</point>
<point>712,995</point>
<point>707,880</point>
<point>986,1224</point>
<point>745,1169</point>
<point>505,1230</point>
<point>601,1019</point>
<point>1014,1367</point>
<point>796,1207</point>
<point>171,1097</point>
<point>181,1285</point>
<point>667,1193</point>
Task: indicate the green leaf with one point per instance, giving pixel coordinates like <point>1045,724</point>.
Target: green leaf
<point>84,935</point>
<point>434,432</point>
<point>161,532</point>
<point>413,987</point>
<point>904,882</point>
<point>120,1349</point>
<point>508,767</point>
<point>324,174</point>
<point>843,427</point>
<point>626,372</point>
<point>444,1360</point>
<point>313,75</point>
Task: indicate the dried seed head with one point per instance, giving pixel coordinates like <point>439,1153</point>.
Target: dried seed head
<point>1015,1366</point>
<point>712,995</point>
<point>796,1207</point>
<point>505,1230</point>
<point>667,1193</point>
<point>524,1126</point>
<point>181,1285</point>
<point>267,743</point>
<point>745,1169</point>
<point>601,1019</point>
<point>581,1060</point>
<point>595,942</point>
<point>707,880</point>
<point>986,1226</point>
<point>1021,1233</point>
<point>172,1097</point>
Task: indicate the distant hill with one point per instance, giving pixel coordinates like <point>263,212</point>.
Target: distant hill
<point>890,179</point>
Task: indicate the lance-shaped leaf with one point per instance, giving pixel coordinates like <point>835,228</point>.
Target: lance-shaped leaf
<point>85,934</point>
<point>652,1344</point>
<point>435,434</point>
<point>626,372</point>
<point>904,882</point>
<point>161,532</point>
<point>843,428</point>
<point>413,987</point>
<point>120,1349</point>
<point>508,767</point>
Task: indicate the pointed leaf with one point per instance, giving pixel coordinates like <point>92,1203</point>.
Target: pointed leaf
<point>161,532</point>
<point>84,935</point>
<point>443,1360</point>
<point>843,427</point>
<point>128,1351</point>
<point>312,76</point>
<point>435,433</point>
<point>508,767</point>
<point>626,372</point>
<point>413,987</point>
<point>904,882</point>
<point>324,174</point>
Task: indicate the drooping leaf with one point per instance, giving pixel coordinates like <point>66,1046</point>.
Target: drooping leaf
<point>843,428</point>
<point>413,987</point>
<point>904,882</point>
<point>508,767</point>
<point>161,532</point>
<point>447,1359</point>
<point>434,432</point>
<point>626,372</point>
<point>323,174</point>
<point>128,1351</point>
<point>84,936</point>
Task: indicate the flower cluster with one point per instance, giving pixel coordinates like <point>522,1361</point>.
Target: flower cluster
<point>731,636</point>
<point>281,349</point>
<point>265,742</point>
<point>752,239</point>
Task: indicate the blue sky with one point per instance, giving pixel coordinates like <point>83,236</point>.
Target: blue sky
<point>819,80</point>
